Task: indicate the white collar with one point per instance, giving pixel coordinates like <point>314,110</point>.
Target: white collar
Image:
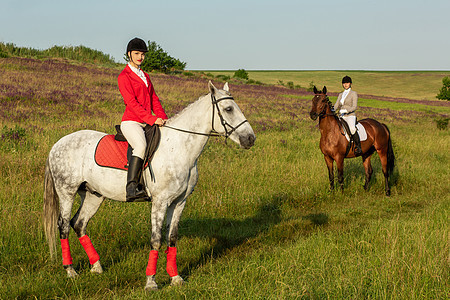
<point>139,73</point>
<point>344,95</point>
<point>135,70</point>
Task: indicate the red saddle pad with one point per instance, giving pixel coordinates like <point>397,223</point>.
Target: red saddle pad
<point>111,153</point>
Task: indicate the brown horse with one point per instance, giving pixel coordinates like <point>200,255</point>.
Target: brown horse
<point>334,144</point>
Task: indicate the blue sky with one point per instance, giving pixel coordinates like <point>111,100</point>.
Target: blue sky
<point>249,34</point>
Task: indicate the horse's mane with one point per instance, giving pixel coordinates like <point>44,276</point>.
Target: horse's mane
<point>177,115</point>
<point>331,107</point>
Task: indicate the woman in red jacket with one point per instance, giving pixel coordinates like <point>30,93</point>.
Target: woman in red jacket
<point>140,101</point>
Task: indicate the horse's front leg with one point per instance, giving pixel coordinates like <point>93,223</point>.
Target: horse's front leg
<point>329,160</point>
<point>159,209</point>
<point>173,219</point>
<point>340,168</point>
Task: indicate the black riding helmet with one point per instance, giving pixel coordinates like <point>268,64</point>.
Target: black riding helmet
<point>346,79</point>
<point>137,44</point>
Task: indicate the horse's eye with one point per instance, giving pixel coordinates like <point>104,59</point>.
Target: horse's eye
<point>229,109</point>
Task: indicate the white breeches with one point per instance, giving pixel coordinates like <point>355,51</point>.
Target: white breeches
<point>351,121</point>
<point>135,135</point>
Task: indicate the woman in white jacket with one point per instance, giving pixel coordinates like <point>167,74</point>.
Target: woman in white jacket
<point>346,105</point>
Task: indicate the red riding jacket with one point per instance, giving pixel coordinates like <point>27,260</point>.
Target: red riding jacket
<point>139,99</point>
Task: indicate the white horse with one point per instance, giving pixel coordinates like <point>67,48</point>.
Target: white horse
<point>70,169</point>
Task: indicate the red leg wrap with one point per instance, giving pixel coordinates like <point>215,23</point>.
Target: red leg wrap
<point>89,248</point>
<point>152,261</point>
<point>171,266</point>
<point>67,258</point>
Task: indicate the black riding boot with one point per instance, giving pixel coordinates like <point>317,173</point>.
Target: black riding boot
<point>134,166</point>
<point>358,150</point>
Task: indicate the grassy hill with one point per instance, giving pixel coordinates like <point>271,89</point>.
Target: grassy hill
<point>418,85</point>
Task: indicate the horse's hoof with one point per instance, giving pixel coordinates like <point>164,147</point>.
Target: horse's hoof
<point>177,281</point>
<point>151,284</point>
<point>388,193</point>
<point>97,268</point>
<point>71,273</point>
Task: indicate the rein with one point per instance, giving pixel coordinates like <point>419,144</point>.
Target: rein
<point>214,133</point>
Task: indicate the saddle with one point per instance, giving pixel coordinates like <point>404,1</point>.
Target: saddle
<point>152,137</point>
<point>360,130</point>
<point>113,151</point>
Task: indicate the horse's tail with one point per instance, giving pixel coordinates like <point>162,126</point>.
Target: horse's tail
<point>51,209</point>
<point>390,153</point>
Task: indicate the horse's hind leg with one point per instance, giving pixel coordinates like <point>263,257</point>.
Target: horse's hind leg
<point>89,206</point>
<point>384,167</point>
<point>368,170</point>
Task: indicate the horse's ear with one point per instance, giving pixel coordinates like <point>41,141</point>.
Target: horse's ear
<point>212,88</point>
<point>315,90</point>
<point>225,87</point>
<point>324,90</point>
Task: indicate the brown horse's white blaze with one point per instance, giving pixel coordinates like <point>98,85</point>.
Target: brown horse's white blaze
<point>71,169</point>
<point>333,143</point>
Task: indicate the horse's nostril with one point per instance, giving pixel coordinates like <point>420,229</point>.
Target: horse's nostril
<point>247,141</point>
<point>252,139</point>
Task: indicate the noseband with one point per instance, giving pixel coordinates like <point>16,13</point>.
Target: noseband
<point>215,104</point>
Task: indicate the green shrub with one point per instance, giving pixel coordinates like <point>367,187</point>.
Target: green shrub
<point>444,93</point>
<point>187,73</point>
<point>241,73</point>
<point>77,53</point>
<point>3,54</point>
<point>159,60</point>
<point>290,84</point>
<point>223,77</point>
<point>442,123</point>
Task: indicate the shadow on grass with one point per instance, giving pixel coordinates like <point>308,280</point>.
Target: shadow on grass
<point>317,219</point>
<point>227,234</point>
<point>238,237</point>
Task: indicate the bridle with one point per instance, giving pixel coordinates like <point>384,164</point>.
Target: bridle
<point>228,132</point>
<point>323,112</point>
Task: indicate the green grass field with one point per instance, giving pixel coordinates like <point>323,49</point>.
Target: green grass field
<point>261,224</point>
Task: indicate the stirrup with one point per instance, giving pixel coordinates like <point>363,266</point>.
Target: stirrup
<point>133,194</point>
<point>144,198</point>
